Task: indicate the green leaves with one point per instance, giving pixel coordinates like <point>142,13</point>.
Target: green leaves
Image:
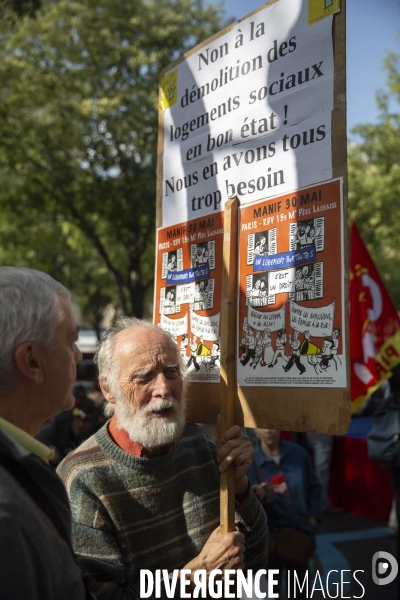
<point>374,182</point>
<point>78,138</point>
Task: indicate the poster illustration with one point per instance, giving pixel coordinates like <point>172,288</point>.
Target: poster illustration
<point>291,323</point>
<point>188,292</point>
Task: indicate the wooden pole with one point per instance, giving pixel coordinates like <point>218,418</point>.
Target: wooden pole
<point>228,385</point>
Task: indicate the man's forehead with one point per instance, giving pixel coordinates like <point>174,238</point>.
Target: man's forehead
<point>136,341</point>
<point>68,322</point>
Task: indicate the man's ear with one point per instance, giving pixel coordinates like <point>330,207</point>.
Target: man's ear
<point>29,358</point>
<point>105,388</point>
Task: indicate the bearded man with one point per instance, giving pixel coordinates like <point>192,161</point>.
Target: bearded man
<point>144,489</point>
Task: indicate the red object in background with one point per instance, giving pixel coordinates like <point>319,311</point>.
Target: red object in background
<point>374,325</point>
<point>357,483</point>
<point>279,483</point>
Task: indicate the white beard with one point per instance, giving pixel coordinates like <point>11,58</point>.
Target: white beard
<point>142,427</point>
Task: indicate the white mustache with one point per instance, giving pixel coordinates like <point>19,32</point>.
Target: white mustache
<point>161,404</point>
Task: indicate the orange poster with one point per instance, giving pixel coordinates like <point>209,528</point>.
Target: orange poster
<point>291,318</point>
<point>188,290</point>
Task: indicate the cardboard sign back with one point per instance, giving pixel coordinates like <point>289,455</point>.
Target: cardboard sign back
<point>294,408</point>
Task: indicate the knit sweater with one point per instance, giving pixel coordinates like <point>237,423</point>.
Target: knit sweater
<point>131,513</point>
<point>35,562</point>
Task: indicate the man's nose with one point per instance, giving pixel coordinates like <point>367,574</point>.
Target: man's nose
<point>161,387</point>
<point>77,354</point>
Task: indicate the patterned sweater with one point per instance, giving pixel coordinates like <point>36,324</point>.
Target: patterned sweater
<point>131,513</point>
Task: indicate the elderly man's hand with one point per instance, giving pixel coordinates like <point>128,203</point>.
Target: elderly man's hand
<point>236,448</point>
<point>221,551</point>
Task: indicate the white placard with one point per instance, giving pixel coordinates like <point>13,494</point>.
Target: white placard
<point>252,116</point>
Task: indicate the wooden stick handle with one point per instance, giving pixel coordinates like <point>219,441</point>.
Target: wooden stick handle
<point>228,385</point>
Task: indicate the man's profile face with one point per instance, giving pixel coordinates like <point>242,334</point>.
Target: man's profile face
<point>60,366</point>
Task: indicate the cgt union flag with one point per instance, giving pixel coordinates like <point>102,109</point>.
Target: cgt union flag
<point>374,325</point>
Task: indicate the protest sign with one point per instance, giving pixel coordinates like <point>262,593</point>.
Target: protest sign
<point>191,292</point>
<point>257,112</point>
<point>251,115</point>
<point>293,325</point>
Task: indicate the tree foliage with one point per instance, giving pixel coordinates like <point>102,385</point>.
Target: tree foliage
<point>21,8</point>
<point>374,182</point>
<point>78,139</point>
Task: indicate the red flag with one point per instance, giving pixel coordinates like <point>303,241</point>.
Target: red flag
<point>374,325</point>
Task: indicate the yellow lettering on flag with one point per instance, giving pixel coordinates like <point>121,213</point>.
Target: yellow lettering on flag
<point>386,359</point>
<point>319,9</point>
<point>389,353</point>
<point>169,90</point>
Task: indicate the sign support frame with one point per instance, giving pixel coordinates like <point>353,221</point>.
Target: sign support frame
<point>228,384</point>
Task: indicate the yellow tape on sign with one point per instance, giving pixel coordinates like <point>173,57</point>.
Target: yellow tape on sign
<point>169,90</point>
<point>319,9</point>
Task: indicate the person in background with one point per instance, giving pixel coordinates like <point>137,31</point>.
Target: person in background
<point>393,388</point>
<point>288,488</point>
<point>321,445</point>
<point>87,417</point>
<point>96,395</point>
<point>56,433</point>
<point>38,357</point>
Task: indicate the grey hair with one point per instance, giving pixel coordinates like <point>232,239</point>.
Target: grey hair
<point>29,311</point>
<point>105,360</point>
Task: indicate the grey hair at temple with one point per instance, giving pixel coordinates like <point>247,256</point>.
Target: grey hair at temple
<point>29,311</point>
